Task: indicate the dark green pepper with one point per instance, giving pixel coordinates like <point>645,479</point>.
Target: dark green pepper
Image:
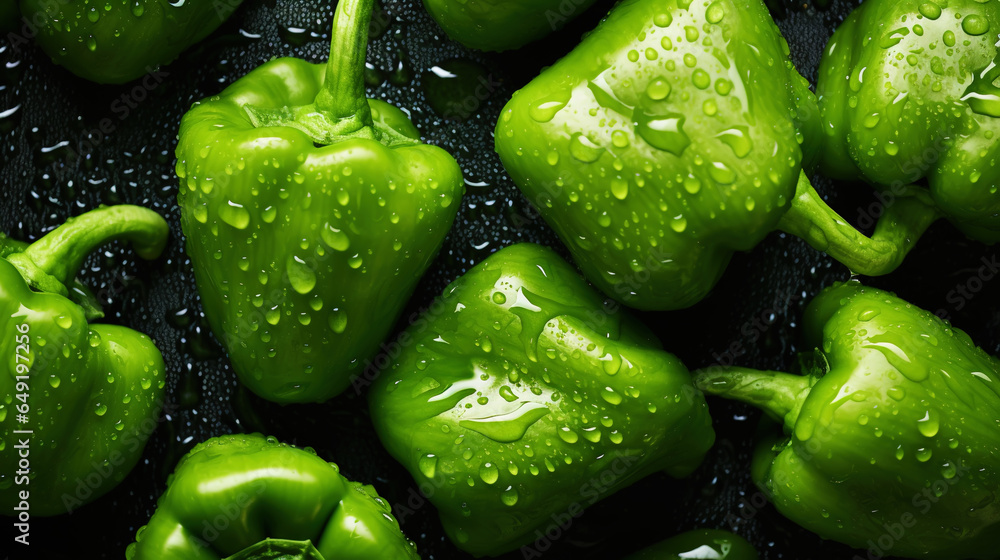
<point>247,497</point>
<point>500,25</point>
<point>518,389</point>
<point>703,543</point>
<point>907,93</point>
<point>673,136</point>
<point>79,400</point>
<point>311,213</point>
<point>116,41</point>
<point>891,437</point>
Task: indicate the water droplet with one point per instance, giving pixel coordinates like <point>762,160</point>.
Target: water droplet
<point>658,89</point>
<point>721,173</point>
<point>923,454</point>
<point>896,393</point>
<point>101,409</point>
<point>679,223</point>
<point>507,394</point>
<point>54,381</point>
<point>975,24</point>
<point>609,395</point>
<point>508,427</point>
<point>619,188</point>
<point>664,132</point>
<point>545,110</point>
<point>235,215</point>
<point>692,184</point>
<point>334,238</point>
<point>929,425</point>
<point>948,471</point>
<point>892,38</point>
<point>300,276</point>
<point>738,140</point>
<point>663,19</point>
<point>715,13</point>
<point>568,435</point>
<point>509,496</point>
<point>428,465</point>
<point>930,10</point>
<point>584,149</point>
<point>272,315</point>
<point>499,298</point>
<point>701,79</point>
<point>489,473</point>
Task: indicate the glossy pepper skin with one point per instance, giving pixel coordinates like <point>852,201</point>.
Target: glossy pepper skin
<point>906,93</point>
<point>89,393</point>
<point>280,502</point>
<point>897,437</point>
<point>500,25</point>
<point>117,41</point>
<point>671,137</point>
<point>517,387</point>
<point>700,543</point>
<point>311,212</point>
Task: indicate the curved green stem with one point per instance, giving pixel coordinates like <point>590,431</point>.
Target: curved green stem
<point>52,262</point>
<point>902,223</point>
<point>780,395</point>
<point>343,92</point>
<point>341,108</point>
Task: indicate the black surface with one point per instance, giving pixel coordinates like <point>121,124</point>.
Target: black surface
<point>56,163</point>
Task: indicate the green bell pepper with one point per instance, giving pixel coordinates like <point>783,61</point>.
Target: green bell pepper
<point>520,398</point>
<point>247,497</point>
<point>891,438</point>
<point>79,400</point>
<point>310,212</point>
<point>702,543</point>
<point>907,93</point>
<point>673,136</point>
<point>500,25</point>
<point>116,41</point>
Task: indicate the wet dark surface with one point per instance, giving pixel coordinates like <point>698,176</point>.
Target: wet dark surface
<point>57,162</point>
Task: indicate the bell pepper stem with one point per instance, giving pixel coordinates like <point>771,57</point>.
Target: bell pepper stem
<point>898,230</point>
<point>343,93</point>
<point>60,253</point>
<point>780,395</point>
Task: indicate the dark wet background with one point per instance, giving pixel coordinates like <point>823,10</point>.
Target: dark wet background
<point>56,163</point>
